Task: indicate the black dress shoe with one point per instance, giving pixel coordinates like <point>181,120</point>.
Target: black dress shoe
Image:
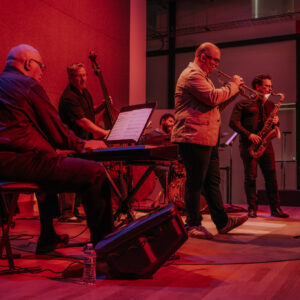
<point>45,245</point>
<point>278,213</point>
<point>252,213</point>
<point>78,215</point>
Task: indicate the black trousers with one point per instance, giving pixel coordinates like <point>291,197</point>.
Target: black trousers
<point>267,165</point>
<point>57,174</point>
<point>202,174</point>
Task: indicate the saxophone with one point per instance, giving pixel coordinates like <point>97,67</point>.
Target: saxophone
<point>267,133</point>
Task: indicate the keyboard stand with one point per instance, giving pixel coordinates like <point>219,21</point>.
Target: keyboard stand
<point>125,205</point>
<point>139,155</point>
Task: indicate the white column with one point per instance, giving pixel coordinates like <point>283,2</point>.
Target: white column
<point>137,62</point>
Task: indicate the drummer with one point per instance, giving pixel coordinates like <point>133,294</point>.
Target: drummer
<point>161,136</point>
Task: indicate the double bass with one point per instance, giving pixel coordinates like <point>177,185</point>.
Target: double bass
<point>115,169</point>
<point>111,112</point>
<point>119,171</point>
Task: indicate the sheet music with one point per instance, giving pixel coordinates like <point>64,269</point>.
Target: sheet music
<point>130,125</point>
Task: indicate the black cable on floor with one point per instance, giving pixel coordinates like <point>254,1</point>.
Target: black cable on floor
<point>225,264</point>
<point>64,270</point>
<point>37,269</point>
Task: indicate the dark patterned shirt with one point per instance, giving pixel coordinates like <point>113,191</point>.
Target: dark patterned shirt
<point>248,116</point>
<point>74,106</point>
<point>28,121</point>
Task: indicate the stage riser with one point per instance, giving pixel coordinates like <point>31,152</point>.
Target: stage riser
<point>287,197</point>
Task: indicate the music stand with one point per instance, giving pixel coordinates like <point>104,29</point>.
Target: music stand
<point>130,124</point>
<point>128,129</point>
<point>229,207</point>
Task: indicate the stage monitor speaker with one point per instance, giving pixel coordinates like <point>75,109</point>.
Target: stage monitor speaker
<point>139,249</point>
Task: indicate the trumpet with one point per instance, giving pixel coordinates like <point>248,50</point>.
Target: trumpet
<point>244,87</point>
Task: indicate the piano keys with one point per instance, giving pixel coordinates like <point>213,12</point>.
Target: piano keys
<point>132,153</point>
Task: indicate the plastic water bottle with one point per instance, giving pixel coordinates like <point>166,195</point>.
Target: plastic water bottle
<point>89,265</point>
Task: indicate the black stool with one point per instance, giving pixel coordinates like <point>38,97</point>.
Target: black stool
<point>9,193</point>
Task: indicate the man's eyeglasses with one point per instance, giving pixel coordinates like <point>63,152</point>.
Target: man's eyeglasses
<point>42,66</point>
<point>216,60</point>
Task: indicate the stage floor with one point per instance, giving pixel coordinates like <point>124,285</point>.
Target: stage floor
<point>259,260</point>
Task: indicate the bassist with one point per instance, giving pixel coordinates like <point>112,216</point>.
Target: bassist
<point>76,106</point>
<point>76,109</point>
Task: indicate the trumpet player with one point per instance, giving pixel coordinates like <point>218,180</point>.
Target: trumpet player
<point>196,130</point>
<point>248,118</point>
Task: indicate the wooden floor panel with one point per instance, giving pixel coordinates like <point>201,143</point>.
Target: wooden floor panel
<point>259,260</point>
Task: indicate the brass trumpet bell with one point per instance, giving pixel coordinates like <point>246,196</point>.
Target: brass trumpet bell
<point>250,94</point>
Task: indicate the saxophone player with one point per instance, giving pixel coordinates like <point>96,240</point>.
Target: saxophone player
<point>248,117</point>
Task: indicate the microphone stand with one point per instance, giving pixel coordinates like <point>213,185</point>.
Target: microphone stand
<point>283,162</point>
<point>229,207</point>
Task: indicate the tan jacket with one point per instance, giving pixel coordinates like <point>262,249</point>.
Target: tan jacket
<point>197,107</point>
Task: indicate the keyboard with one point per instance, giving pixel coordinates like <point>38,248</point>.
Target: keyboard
<point>132,153</point>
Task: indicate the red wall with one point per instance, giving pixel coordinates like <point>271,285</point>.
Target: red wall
<point>64,31</point>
